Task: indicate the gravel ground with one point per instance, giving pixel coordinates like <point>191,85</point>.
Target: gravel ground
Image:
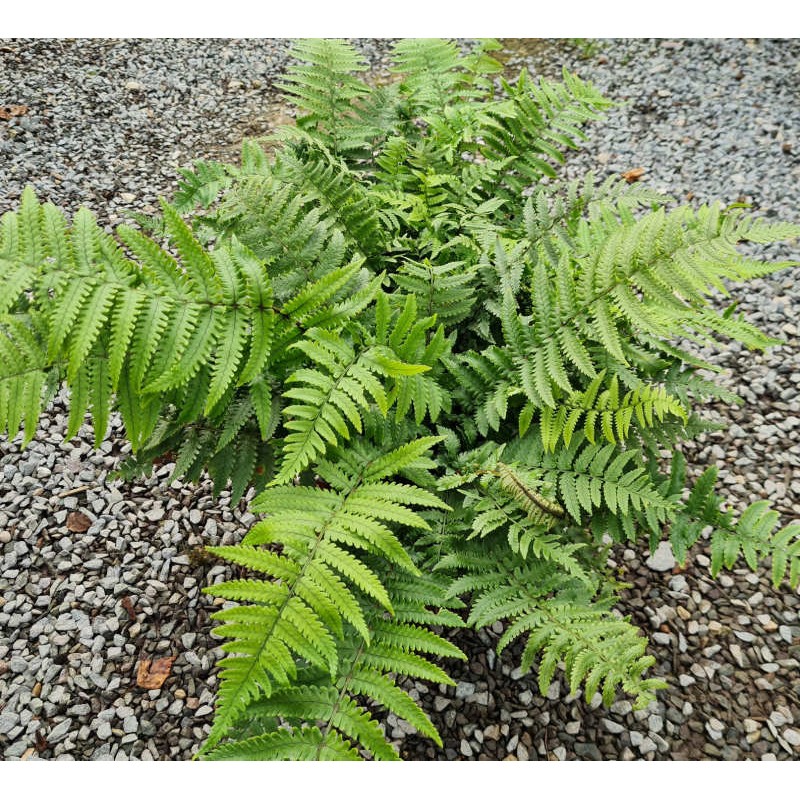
<point>108,123</point>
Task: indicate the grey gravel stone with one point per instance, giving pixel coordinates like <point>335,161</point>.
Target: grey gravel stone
<point>621,707</point>
<point>16,749</point>
<point>8,721</point>
<point>588,750</point>
<point>464,689</point>
<point>792,737</point>
<point>18,664</point>
<point>59,732</point>
<point>655,723</point>
<point>647,746</point>
<point>662,559</point>
<point>678,583</point>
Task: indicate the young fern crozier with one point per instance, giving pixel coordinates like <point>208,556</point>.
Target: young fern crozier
<point>447,377</point>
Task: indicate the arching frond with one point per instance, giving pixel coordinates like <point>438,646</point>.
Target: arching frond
<point>319,581</point>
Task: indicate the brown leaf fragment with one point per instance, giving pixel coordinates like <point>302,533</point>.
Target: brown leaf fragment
<point>127,604</point>
<point>170,457</point>
<point>152,674</point>
<point>78,522</point>
<point>6,112</point>
<point>633,174</point>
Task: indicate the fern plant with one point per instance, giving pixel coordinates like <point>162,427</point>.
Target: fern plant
<point>448,377</point>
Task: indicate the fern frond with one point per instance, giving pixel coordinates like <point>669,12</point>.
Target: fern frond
<point>410,341</point>
<point>26,376</point>
<point>300,611</point>
<point>431,70</point>
<point>511,501</point>
<point>754,538</point>
<point>345,200</point>
<point>443,290</point>
<point>201,185</point>
<point>598,649</point>
<point>332,397</point>
<point>324,86</point>
<point>370,671</point>
<point>609,412</point>
<point>297,744</point>
<point>559,617</point>
<point>529,129</point>
<point>282,227</point>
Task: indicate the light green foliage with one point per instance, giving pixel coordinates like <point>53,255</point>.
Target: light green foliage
<point>752,536</point>
<point>370,666</point>
<point>320,580</point>
<point>446,376</point>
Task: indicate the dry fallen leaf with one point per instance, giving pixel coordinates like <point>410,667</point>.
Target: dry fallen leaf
<point>633,174</point>
<point>78,522</point>
<point>127,604</point>
<point>152,674</point>
<point>6,112</point>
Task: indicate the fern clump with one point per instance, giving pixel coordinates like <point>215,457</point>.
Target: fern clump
<point>449,377</point>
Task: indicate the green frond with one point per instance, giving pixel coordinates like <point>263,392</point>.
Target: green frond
<point>530,129</point>
<point>368,680</point>
<point>26,377</point>
<point>201,185</point>
<point>412,342</point>
<point>754,538</point>
<point>442,290</point>
<point>430,69</point>
<point>297,744</point>
<point>320,581</point>
<point>609,413</point>
<point>333,397</point>
<point>784,548</point>
<point>599,650</point>
<point>324,87</point>
<point>282,227</point>
<point>330,183</point>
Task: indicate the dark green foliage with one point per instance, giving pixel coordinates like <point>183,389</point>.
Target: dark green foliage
<point>449,378</point>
